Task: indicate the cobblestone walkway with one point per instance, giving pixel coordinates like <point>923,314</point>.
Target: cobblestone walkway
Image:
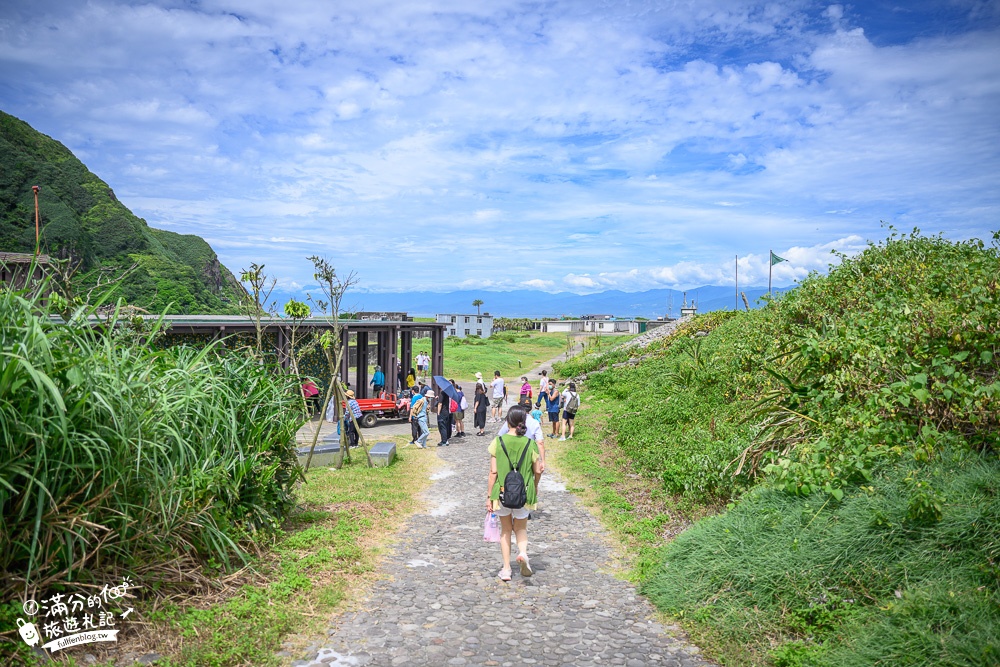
<point>442,603</point>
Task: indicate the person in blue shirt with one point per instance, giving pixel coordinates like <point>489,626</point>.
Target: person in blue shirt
<point>378,381</point>
<point>551,396</point>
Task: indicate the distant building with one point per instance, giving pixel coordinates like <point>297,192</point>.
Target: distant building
<point>592,324</point>
<point>597,317</point>
<point>688,309</point>
<point>461,325</point>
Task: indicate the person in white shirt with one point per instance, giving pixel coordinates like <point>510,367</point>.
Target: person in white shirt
<point>543,386</point>
<point>498,394</point>
<point>534,431</point>
<point>423,361</point>
<point>570,403</point>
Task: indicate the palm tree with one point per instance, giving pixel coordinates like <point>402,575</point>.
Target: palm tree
<point>477,303</point>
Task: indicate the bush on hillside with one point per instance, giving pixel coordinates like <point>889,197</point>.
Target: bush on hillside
<point>870,398</point>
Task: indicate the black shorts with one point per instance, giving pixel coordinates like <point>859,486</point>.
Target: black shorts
<point>569,416</point>
<point>554,416</point>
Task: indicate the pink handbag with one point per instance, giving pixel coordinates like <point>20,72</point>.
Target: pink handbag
<point>491,528</point>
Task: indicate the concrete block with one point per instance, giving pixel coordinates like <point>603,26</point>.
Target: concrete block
<point>383,454</point>
<point>327,453</point>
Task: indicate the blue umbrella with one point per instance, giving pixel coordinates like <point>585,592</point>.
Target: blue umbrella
<point>446,387</point>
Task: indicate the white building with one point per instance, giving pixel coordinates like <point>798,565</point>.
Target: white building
<point>608,326</point>
<point>460,325</point>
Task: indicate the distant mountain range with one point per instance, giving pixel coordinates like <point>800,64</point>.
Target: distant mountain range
<point>530,303</point>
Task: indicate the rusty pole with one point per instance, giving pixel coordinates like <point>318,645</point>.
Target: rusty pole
<point>36,189</point>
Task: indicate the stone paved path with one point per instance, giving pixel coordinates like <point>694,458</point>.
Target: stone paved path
<point>442,603</point>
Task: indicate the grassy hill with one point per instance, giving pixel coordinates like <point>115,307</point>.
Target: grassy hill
<point>82,219</point>
<point>845,439</point>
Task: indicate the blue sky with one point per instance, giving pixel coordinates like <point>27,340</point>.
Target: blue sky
<point>564,146</point>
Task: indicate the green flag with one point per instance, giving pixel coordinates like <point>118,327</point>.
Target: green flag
<point>776,260</point>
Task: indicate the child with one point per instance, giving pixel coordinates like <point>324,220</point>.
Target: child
<point>536,414</point>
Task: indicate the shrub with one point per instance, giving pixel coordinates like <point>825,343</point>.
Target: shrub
<point>114,453</point>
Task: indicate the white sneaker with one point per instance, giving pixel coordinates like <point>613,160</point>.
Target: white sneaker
<point>562,439</point>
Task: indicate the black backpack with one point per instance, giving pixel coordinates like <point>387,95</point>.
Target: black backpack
<point>513,493</point>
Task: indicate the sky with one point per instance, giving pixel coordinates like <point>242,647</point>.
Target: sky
<point>563,146</point>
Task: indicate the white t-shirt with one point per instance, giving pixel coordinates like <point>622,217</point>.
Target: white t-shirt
<point>566,396</point>
<point>423,360</point>
<point>497,386</point>
<point>534,429</point>
<point>543,386</point>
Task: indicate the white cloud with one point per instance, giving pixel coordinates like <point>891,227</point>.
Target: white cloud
<point>536,283</point>
<point>580,146</point>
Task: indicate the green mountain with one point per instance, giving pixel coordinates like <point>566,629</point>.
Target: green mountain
<point>81,218</point>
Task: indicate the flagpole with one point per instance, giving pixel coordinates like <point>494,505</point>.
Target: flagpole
<point>770,265</point>
<point>737,299</point>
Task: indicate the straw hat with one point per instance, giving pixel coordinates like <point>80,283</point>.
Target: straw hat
<point>349,393</point>
<point>479,376</point>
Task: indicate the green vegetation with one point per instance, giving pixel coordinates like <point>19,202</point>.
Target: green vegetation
<point>510,352</point>
<point>852,425</point>
<point>82,219</point>
<point>326,549</point>
<point>117,457</point>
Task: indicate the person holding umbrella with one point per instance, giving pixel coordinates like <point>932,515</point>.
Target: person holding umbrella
<point>444,411</point>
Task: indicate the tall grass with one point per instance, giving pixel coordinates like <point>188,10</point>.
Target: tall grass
<point>116,454</point>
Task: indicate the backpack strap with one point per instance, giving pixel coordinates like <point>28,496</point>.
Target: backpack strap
<point>509,462</point>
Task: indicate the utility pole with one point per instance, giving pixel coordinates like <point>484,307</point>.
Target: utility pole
<point>36,189</point>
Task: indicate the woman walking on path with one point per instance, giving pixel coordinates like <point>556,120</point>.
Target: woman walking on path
<point>505,454</point>
<point>525,397</point>
<point>482,405</point>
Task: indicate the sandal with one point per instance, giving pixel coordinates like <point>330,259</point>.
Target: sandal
<point>526,570</point>
<point>504,574</point>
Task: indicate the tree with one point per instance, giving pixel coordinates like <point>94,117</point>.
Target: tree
<point>297,312</point>
<point>332,345</point>
<point>255,304</point>
<point>477,303</point>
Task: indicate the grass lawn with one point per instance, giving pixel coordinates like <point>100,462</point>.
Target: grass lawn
<point>327,551</point>
<point>511,353</point>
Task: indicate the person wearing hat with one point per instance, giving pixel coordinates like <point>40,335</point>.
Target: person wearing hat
<point>418,413</point>
<point>353,409</point>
